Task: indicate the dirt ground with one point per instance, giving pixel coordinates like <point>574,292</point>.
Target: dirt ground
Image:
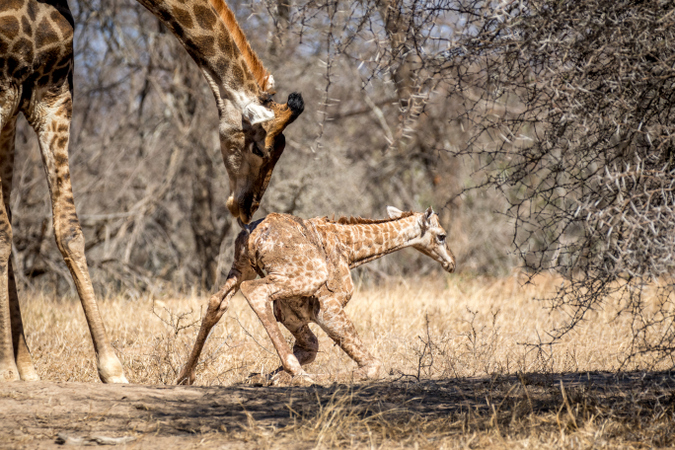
<point>406,412</point>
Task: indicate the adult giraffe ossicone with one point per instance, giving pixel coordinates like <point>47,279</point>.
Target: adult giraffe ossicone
<point>36,64</point>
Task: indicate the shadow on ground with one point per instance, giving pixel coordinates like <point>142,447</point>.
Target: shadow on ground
<point>34,415</point>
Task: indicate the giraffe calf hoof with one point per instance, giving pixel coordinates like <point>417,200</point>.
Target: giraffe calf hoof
<point>259,379</point>
<point>185,380</point>
<point>368,372</point>
<point>283,378</point>
<point>303,379</point>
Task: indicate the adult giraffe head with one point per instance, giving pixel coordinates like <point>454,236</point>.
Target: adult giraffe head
<point>251,154</point>
<point>250,165</point>
<point>251,122</point>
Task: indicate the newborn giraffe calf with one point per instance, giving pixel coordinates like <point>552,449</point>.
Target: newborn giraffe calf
<point>304,277</point>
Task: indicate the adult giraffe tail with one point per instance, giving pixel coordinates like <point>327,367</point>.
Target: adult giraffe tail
<point>262,76</point>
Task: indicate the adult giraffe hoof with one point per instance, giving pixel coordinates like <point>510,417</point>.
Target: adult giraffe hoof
<point>110,370</point>
<point>29,375</point>
<point>9,374</point>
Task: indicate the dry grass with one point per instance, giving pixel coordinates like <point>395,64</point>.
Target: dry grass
<point>457,372</point>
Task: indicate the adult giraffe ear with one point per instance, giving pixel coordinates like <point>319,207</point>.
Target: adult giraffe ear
<point>394,212</point>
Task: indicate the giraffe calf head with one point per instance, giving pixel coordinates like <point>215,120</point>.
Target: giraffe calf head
<point>431,239</point>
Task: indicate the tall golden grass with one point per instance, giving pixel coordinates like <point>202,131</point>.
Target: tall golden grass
<point>446,326</point>
<point>461,339</point>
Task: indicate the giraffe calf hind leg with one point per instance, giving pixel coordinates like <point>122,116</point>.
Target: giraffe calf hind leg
<point>257,293</point>
<point>306,345</point>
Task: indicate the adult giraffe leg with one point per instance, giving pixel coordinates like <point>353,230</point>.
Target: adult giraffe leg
<point>52,127</point>
<point>334,321</point>
<point>22,356</point>
<point>8,368</point>
<point>24,362</point>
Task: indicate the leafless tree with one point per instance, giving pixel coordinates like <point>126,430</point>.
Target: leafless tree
<point>583,149</point>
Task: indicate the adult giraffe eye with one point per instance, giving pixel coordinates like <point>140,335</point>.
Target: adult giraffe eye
<point>441,238</point>
<point>255,149</point>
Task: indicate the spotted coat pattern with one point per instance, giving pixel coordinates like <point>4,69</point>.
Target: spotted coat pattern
<point>304,268</point>
<point>36,79</point>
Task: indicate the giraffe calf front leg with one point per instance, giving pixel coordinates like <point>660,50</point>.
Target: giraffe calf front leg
<point>334,321</point>
<point>218,304</point>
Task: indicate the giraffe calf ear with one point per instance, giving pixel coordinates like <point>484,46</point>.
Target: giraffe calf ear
<point>394,212</point>
<point>425,219</point>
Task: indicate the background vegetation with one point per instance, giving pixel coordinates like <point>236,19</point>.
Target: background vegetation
<point>455,375</point>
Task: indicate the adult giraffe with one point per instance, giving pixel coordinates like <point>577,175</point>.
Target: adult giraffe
<point>36,79</point>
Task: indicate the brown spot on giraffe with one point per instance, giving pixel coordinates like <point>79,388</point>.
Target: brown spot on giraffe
<point>32,9</point>
<point>237,74</point>
<point>62,142</point>
<point>206,17</point>
<point>13,64</point>
<point>24,47</point>
<point>26,26</point>
<point>226,45</point>
<point>45,34</point>
<point>183,17</point>
<point>9,27</point>
<point>49,57</point>
<point>305,268</point>
<point>11,5</point>
<point>206,44</point>
<point>63,24</point>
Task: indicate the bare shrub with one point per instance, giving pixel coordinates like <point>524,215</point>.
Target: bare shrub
<point>583,150</point>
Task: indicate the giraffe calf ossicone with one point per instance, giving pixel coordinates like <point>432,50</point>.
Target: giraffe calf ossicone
<point>304,268</point>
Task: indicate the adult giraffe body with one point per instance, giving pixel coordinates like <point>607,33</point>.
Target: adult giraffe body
<point>36,79</point>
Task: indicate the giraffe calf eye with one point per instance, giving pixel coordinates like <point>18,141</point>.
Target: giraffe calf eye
<point>441,238</point>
